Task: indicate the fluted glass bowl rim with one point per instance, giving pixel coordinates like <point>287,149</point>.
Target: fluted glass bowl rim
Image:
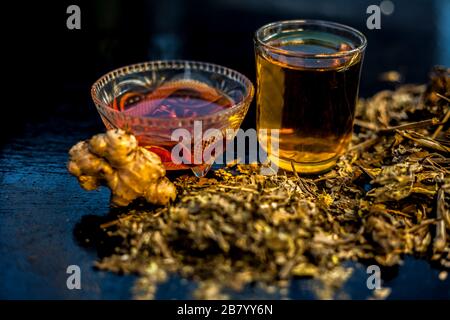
<point>156,65</point>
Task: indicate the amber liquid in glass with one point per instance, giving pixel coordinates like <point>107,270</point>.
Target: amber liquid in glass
<point>310,104</point>
<point>176,99</point>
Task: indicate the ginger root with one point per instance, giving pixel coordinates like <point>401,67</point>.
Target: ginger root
<point>114,159</point>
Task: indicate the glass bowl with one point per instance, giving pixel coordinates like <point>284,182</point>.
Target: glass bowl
<point>156,133</point>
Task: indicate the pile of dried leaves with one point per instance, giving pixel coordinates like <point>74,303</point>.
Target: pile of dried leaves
<point>387,197</point>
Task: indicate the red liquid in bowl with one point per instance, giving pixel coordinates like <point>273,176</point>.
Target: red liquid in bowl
<point>176,99</point>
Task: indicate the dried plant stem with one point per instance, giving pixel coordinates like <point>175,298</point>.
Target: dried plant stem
<point>442,97</point>
<point>412,125</point>
<point>441,126</point>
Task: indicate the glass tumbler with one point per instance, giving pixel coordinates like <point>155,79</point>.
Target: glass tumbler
<point>308,76</point>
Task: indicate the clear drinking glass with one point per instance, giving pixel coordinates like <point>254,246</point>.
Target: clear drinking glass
<point>307,86</point>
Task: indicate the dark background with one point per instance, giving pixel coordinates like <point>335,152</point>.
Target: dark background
<point>45,217</point>
<point>57,65</point>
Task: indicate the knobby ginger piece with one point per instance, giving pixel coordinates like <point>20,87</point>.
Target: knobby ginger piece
<point>114,159</point>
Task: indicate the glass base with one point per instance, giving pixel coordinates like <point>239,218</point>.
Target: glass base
<point>201,170</point>
<point>305,167</point>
